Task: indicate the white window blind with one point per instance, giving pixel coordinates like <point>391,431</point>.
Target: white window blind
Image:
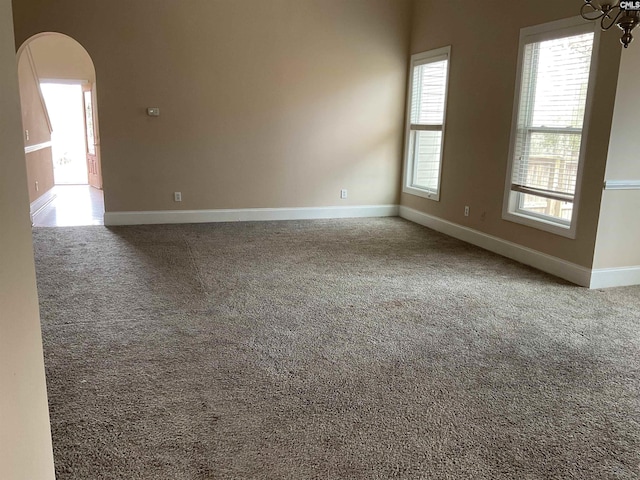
<point>427,101</point>
<point>550,119</point>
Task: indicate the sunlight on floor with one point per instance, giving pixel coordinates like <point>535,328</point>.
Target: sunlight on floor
<point>74,205</point>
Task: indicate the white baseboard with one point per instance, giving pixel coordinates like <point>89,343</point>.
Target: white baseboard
<point>42,201</point>
<point>615,277</point>
<point>555,266</point>
<point>247,215</point>
<point>598,278</point>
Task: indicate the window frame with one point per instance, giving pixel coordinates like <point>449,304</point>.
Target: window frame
<point>418,59</point>
<point>511,209</point>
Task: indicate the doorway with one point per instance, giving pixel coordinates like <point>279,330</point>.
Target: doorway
<point>68,144</point>
<point>62,141</point>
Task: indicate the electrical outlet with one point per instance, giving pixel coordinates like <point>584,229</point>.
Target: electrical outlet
<point>343,193</point>
<point>177,196</point>
<point>37,187</point>
<point>466,211</point>
<point>26,134</point>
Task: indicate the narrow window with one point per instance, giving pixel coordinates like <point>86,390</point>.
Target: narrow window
<point>547,132</point>
<point>425,122</point>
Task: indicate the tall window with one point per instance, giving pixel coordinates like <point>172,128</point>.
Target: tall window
<point>547,134</point>
<point>425,123</point>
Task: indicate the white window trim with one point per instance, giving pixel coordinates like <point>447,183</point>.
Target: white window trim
<point>417,60</point>
<point>550,31</point>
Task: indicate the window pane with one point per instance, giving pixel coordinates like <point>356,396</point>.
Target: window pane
<point>551,162</point>
<point>88,112</point>
<point>427,102</point>
<point>555,78</point>
<point>555,209</point>
<point>426,159</point>
<point>426,112</point>
<point>561,74</point>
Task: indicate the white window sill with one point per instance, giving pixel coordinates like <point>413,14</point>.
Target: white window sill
<point>422,193</point>
<point>540,224</point>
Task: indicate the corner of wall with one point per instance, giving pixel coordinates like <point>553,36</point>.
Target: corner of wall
<point>25,442</point>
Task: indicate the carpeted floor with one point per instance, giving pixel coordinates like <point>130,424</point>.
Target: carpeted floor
<point>350,349</point>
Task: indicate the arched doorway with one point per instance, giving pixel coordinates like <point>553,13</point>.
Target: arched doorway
<point>62,142</point>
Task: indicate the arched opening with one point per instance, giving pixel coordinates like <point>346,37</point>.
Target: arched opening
<point>62,142</point>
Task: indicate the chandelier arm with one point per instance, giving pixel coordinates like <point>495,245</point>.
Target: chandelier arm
<point>626,18</point>
<point>588,15</point>
<point>613,21</point>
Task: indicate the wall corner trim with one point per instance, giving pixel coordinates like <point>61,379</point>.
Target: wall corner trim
<point>247,215</point>
<point>555,266</point>
<point>622,185</point>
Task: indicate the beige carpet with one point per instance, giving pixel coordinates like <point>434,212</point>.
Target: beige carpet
<point>351,349</point>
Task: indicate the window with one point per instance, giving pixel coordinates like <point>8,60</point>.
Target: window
<point>425,122</point>
<point>546,152</point>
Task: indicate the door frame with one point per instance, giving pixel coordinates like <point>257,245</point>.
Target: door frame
<point>94,167</point>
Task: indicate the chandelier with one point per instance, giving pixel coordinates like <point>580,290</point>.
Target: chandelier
<point>626,15</point>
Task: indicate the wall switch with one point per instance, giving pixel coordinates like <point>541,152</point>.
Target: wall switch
<point>177,196</point>
<point>26,134</point>
<point>466,211</point>
<point>343,193</point>
<point>153,112</point>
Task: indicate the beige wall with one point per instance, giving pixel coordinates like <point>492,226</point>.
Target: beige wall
<point>25,439</point>
<point>484,40</point>
<point>40,170</point>
<point>60,57</point>
<point>619,228</point>
<point>34,119</point>
<point>34,116</point>
<point>277,103</point>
